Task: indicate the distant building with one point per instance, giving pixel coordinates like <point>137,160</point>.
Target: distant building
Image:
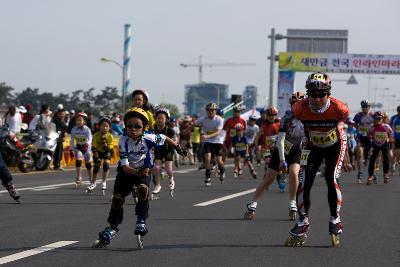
<point>197,96</point>
<point>250,97</point>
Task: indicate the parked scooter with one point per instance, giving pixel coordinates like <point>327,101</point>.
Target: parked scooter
<point>43,149</point>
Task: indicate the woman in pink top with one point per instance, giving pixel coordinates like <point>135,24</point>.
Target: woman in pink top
<point>380,135</point>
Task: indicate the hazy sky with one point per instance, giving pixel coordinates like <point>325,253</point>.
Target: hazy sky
<point>56,45</point>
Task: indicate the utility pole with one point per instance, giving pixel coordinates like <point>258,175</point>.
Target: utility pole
<point>271,68</point>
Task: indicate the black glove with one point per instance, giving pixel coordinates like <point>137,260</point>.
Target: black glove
<point>180,150</point>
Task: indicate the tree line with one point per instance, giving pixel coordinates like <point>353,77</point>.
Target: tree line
<point>107,99</point>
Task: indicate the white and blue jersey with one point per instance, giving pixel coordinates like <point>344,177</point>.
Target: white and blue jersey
<point>395,124</point>
<point>139,153</point>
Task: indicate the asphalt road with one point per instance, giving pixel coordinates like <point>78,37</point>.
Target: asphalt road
<point>181,234</point>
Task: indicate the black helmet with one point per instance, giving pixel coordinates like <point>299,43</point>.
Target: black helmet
<point>365,103</point>
<point>211,106</point>
<point>318,81</point>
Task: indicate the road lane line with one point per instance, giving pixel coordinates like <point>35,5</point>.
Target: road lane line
<point>203,204</point>
<point>55,186</point>
<point>35,251</point>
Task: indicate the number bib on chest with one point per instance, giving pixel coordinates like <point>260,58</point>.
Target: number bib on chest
<point>397,129</point>
<point>240,147</point>
<point>380,136</point>
<point>80,139</point>
<point>287,147</point>
<point>210,132</point>
<point>304,157</point>
<point>322,139</point>
<point>363,130</point>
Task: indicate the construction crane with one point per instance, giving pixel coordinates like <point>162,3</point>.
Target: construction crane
<point>200,65</point>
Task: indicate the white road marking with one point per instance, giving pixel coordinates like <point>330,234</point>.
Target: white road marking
<point>46,188</point>
<point>38,250</point>
<point>203,204</point>
<point>43,187</point>
<point>56,186</point>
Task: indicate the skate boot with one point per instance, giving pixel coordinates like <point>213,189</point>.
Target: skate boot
<point>250,214</point>
<point>281,182</point>
<point>13,193</point>
<point>235,173</point>
<point>292,210</point>
<point>90,188</point>
<point>105,237</point>
<point>375,179</point>
<point>103,188</point>
<point>258,163</point>
<point>140,231</point>
<point>171,187</point>
<point>222,174</point>
<point>359,176</point>
<point>155,194</point>
<point>370,180</point>
<point>240,172</point>
<point>207,181</point>
<point>386,178</point>
<point>298,234</point>
<point>78,182</point>
<point>335,229</point>
<point>253,173</point>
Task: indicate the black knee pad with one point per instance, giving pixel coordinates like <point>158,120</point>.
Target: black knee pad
<point>88,165</point>
<point>117,201</point>
<point>208,173</point>
<point>143,192</point>
<point>106,165</point>
<point>78,163</point>
<point>96,168</point>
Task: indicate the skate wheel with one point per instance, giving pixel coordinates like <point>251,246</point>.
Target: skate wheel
<point>249,215</point>
<point>99,244</point>
<point>293,241</point>
<point>155,197</point>
<point>335,240</point>
<point>139,242</point>
<point>292,215</point>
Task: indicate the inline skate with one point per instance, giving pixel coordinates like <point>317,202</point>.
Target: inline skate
<point>250,213</point>
<point>335,229</point>
<point>298,234</point>
<point>105,237</point>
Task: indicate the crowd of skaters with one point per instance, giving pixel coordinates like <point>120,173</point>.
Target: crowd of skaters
<point>210,139</point>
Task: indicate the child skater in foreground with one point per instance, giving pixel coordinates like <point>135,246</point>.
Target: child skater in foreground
<point>136,161</point>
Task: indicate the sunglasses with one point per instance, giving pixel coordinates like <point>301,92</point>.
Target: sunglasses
<point>211,109</point>
<point>365,106</point>
<point>134,126</point>
<point>317,95</point>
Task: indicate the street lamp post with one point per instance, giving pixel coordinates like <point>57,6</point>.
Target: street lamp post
<point>106,60</point>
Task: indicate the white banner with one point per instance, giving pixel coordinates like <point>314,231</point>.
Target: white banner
<point>340,63</point>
